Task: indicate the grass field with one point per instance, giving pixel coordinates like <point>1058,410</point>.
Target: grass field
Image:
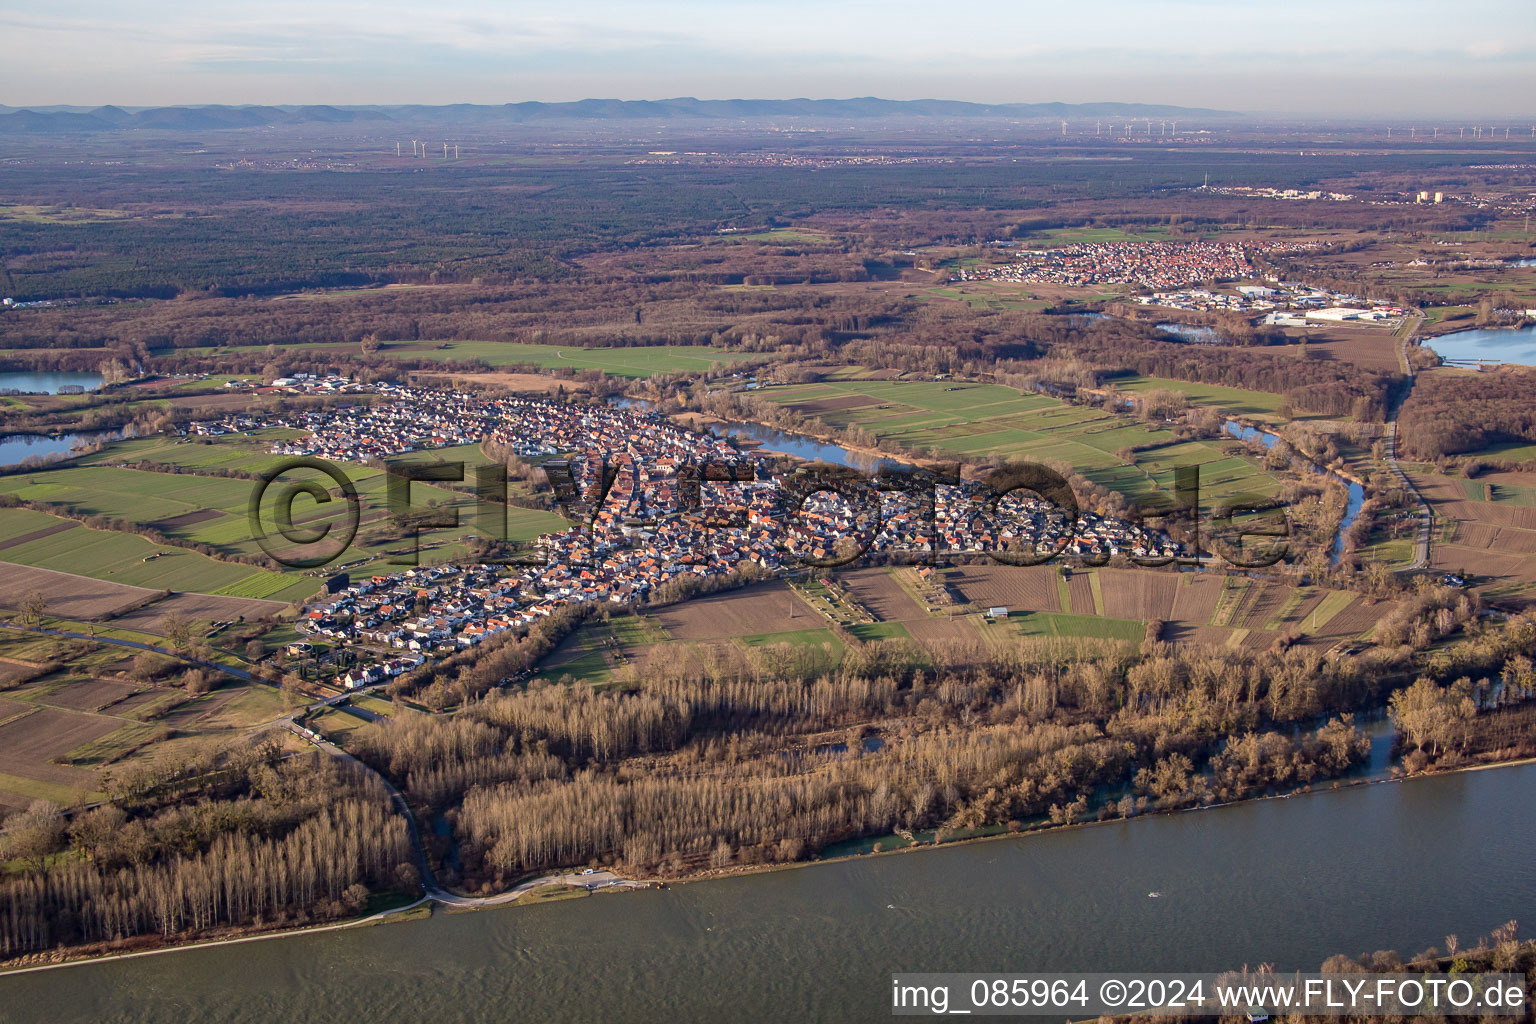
<point>215,511</point>
<point>619,362</point>
<point>59,214</point>
<point>991,420</point>
<point>1258,404</point>
<point>1067,236</point>
<point>784,236</point>
<point>798,637</point>
<point>120,558</point>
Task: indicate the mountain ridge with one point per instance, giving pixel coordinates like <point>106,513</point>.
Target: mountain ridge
<point>63,118</point>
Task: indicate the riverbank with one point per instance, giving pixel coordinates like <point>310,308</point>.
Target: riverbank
<point>1340,784</point>
<point>65,958</point>
<point>1288,882</point>
<point>517,897</point>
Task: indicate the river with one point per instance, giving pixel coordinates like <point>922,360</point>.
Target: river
<point>1509,345</point>
<point>1286,881</point>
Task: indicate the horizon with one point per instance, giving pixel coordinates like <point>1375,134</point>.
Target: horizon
<point>1365,60</point>
<point>1467,117</point>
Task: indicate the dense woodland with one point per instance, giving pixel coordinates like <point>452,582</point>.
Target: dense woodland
<point>227,227</point>
<point>1452,413</point>
<point>240,838</point>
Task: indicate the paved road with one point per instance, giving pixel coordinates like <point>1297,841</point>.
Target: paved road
<point>1426,514</point>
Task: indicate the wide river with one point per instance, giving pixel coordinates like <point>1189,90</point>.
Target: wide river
<point>1396,865</point>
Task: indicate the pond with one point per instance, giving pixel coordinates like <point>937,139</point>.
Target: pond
<point>1195,333</point>
<point>784,442</point>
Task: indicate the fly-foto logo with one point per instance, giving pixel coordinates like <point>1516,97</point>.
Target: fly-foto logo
<point>306,513</point>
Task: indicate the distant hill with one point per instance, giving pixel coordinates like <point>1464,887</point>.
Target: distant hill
<point>204,118</point>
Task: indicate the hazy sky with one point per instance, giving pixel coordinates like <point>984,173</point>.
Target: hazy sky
<point>1474,58</point>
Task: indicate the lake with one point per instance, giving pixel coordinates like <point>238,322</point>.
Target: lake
<point>47,382</point>
<point>19,447</point>
<point>784,442</point>
<point>1288,881</point>
<point>1510,345</point>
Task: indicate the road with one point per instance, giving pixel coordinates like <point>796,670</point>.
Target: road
<point>1426,517</point>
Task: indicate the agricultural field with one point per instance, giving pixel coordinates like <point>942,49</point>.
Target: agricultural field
<point>211,510</point>
<point>1108,603</point>
<point>1487,531</point>
<point>1254,404</point>
<point>197,608</point>
<point>33,746</point>
<point>71,710</point>
<point>129,563</point>
<point>68,595</point>
<point>635,362</point>
<point>757,612</point>
<point>697,632</point>
<point>980,420</point>
<point>247,453</point>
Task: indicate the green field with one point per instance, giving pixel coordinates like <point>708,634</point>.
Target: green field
<point>120,558</point>
<point>1258,404</point>
<point>1067,236</point>
<point>215,510</point>
<point>981,420</point>
<point>797,637</point>
<point>634,361</point>
<point>1091,626</point>
<point>867,631</point>
<point>247,453</point>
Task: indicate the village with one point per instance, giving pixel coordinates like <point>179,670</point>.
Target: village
<point>1147,264</point>
<point>678,504</point>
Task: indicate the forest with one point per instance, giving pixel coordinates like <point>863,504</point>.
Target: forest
<point>235,838</point>
<point>1452,413</point>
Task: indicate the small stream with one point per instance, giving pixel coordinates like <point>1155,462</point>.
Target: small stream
<point>1356,493</point>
